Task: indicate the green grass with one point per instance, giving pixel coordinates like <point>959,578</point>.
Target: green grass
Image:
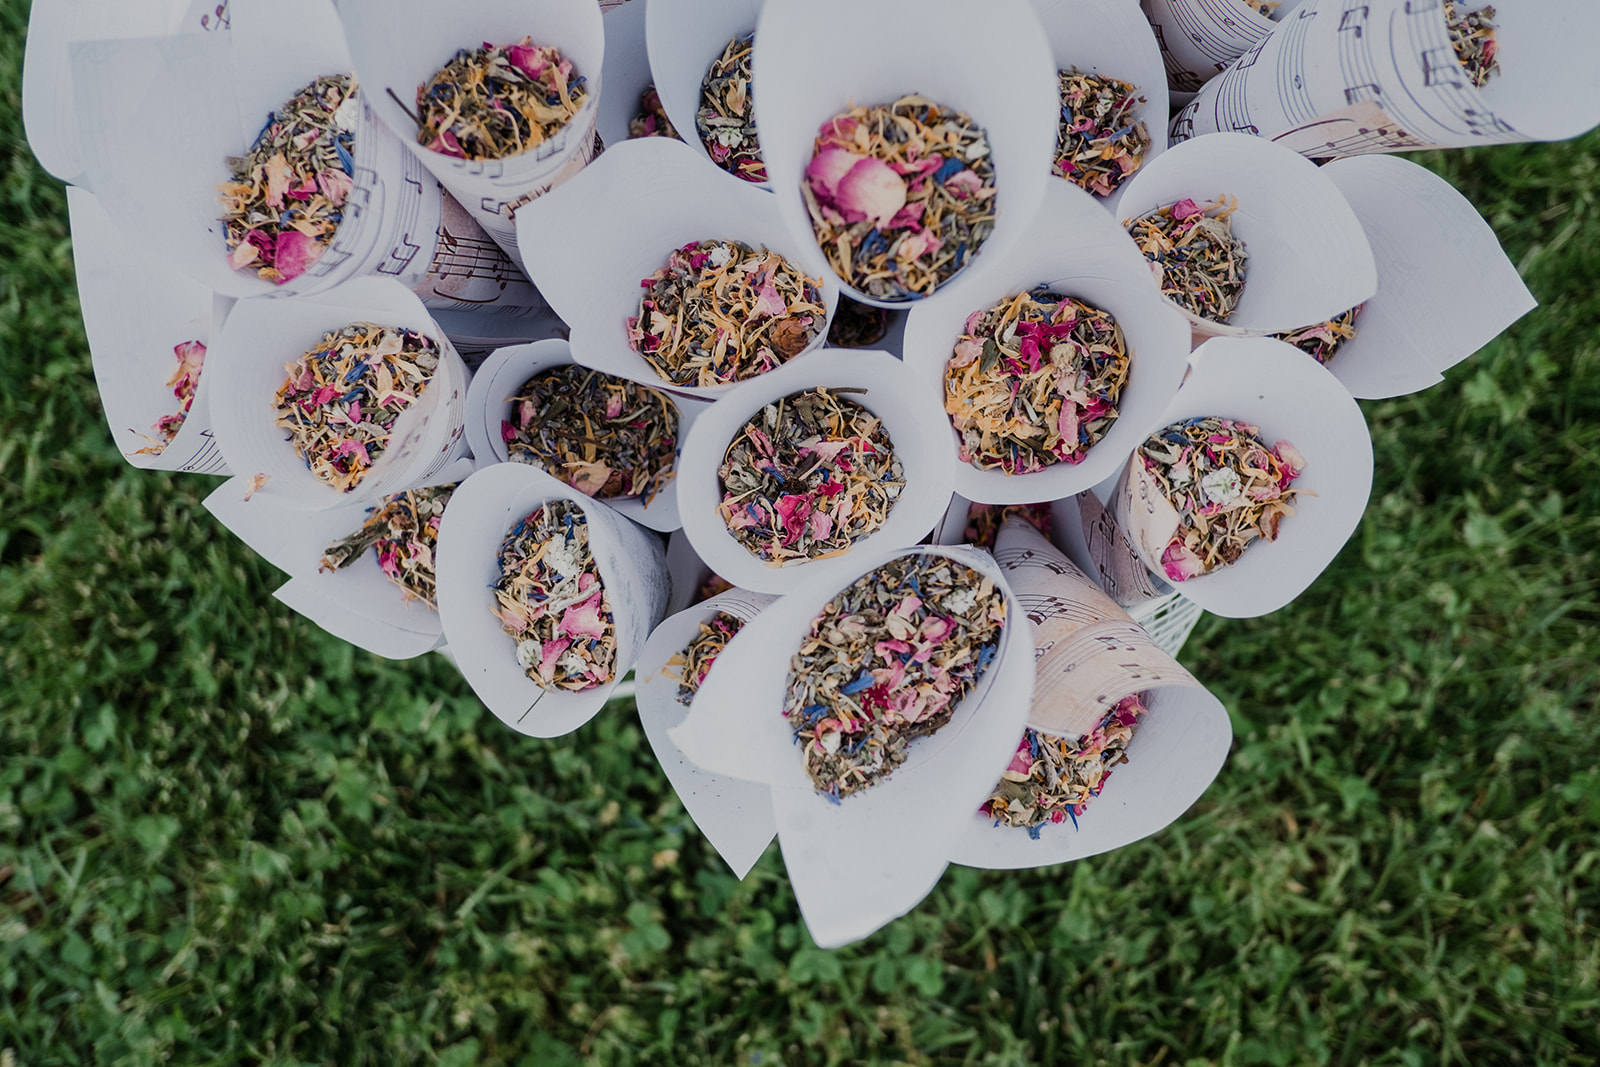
<point>226,838</point>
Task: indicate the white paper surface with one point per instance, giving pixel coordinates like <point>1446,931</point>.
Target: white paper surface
<point>734,814</point>
<point>478,334</point>
<point>398,45</point>
<point>1342,78</point>
<point>1445,289</point>
<point>1308,258</point>
<point>489,404</point>
<point>1078,250</point>
<point>915,426</point>
<point>262,336</point>
<point>871,857</point>
<point>1274,386</point>
<point>685,38</point>
<point>600,235</point>
<point>687,571</point>
<point>1199,38</point>
<point>626,70</point>
<point>997,69</point>
<point>632,568</point>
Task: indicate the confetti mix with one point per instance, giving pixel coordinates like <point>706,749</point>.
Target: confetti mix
<point>1228,487</point>
<point>984,521</point>
<point>340,400</point>
<point>901,195</point>
<point>550,600</point>
<point>184,383</point>
<point>726,118</point>
<point>1034,381</point>
<point>722,312</point>
<point>887,662</point>
<point>1098,144</point>
<point>402,531</point>
<point>1323,341</point>
<point>288,192</point>
<point>857,325</point>
<point>694,662</point>
<point>1051,779</point>
<point>651,121</point>
<point>606,437</point>
<point>498,101</point>
<point>1202,263</point>
<point>809,476</point>
<point>714,584</point>
<point>1473,38</point>
<point>1269,8</point>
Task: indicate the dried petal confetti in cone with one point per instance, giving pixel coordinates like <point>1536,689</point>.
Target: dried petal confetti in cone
<point>1472,37</point>
<point>1052,779</point>
<point>694,662</point>
<point>652,120</point>
<point>1201,262</point>
<point>498,101</point>
<point>402,532</point>
<point>1323,341</point>
<point>725,120</point>
<point>1099,142</point>
<point>185,384</point>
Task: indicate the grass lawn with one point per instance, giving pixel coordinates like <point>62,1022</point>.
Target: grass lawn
<point>227,838</point>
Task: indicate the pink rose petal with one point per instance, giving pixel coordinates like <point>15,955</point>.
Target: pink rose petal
<point>295,253</point>
<point>828,168</point>
<point>1184,209</point>
<point>549,652</point>
<point>583,619</point>
<point>872,190</point>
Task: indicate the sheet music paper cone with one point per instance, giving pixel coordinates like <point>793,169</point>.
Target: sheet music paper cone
<point>1199,38</point>
<point>626,71</point>
<point>685,37</point>
<point>468,271</point>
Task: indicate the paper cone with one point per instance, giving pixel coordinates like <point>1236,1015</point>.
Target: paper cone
<point>489,404</point>
<point>734,814</point>
<point>1274,386</point>
<point>1199,38</point>
<point>688,571</point>
<point>1308,258</point>
<point>261,336</point>
<point>477,335</point>
<point>817,58</point>
<point>1076,249</point>
<point>625,70</point>
<point>685,38</point>
<point>469,272</point>
<point>399,44</point>
<point>857,863</point>
<point>599,236</point>
<point>632,570</point>
<point>913,422</point>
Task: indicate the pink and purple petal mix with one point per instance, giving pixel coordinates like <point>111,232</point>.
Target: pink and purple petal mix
<point>185,384</point>
<point>1052,779</point>
<point>1323,341</point>
<point>1200,264</point>
<point>694,662</point>
<point>498,101</point>
<point>726,120</point>
<point>1098,144</point>
<point>402,532</point>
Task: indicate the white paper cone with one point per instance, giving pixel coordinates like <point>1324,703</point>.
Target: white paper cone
<point>477,335</point>
<point>817,58</point>
<point>1076,249</point>
<point>599,236</point>
<point>687,571</point>
<point>398,45</point>
<point>734,814</point>
<point>1445,289</point>
<point>686,37</point>
<point>1199,38</point>
<point>383,635</point>
<point>1274,386</point>
<point>159,178</point>
<point>489,404</point>
<point>860,862</point>
<point>1308,258</point>
<point>261,336</point>
<point>914,424</point>
<point>1112,39</point>
<point>1344,79</point>
<point>626,71</point>
<point>632,570</point>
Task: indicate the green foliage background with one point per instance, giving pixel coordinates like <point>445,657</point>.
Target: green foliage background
<point>226,838</point>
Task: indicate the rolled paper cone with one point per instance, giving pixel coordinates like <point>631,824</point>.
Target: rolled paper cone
<point>914,423</point>
<point>1200,38</point>
<point>160,180</point>
<point>1445,289</point>
<point>478,334</point>
<point>688,572</point>
<point>468,271</point>
<point>489,405</point>
<point>261,336</point>
<point>1112,39</point>
<point>632,568</point>
<point>1074,248</point>
<point>601,235</point>
<point>996,69</point>
<point>734,814</point>
<point>625,71</point>
<point>1272,385</point>
<point>1087,531</point>
<point>859,862</point>
<point>1338,79</point>
<point>685,37</point>
<point>1307,257</point>
<point>398,45</point>
<point>134,319</point>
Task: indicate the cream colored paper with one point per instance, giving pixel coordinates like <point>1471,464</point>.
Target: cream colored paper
<point>469,272</point>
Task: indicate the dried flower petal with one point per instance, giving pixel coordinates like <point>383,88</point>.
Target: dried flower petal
<point>498,101</point>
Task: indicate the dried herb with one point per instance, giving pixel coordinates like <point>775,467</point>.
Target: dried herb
<point>857,325</point>
<point>606,437</point>
<point>808,477</point>
<point>901,195</point>
<point>403,532</point>
<point>1034,381</point>
<point>551,601</point>
<point>341,399</point>
<point>984,521</point>
<point>498,101</point>
<point>694,662</point>
<point>1268,8</point>
<point>287,195</point>
<point>1098,143</point>
<point>886,662</point>
<point>1202,263</point>
<point>714,584</point>
<point>185,384</point>
<point>726,118</point>
<point>1473,38</point>
<point>1228,488</point>
<point>1051,779</point>
<point>722,312</point>
<point>651,121</point>
<point>1323,341</point>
